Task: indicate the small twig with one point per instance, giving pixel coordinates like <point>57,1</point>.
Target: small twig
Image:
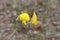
<point>9,37</point>
<point>53,36</point>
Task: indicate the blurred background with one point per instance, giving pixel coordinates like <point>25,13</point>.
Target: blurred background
<point>47,12</point>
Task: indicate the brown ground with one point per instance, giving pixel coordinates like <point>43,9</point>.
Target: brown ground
<point>47,12</point>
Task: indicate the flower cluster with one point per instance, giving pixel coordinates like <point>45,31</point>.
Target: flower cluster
<point>25,18</point>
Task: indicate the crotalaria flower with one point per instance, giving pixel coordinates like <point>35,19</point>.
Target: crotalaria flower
<point>34,20</point>
<point>24,17</point>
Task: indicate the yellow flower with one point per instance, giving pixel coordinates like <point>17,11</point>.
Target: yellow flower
<point>24,17</point>
<point>34,20</point>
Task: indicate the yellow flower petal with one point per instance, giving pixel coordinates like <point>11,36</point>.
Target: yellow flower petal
<point>34,20</point>
<point>24,22</point>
